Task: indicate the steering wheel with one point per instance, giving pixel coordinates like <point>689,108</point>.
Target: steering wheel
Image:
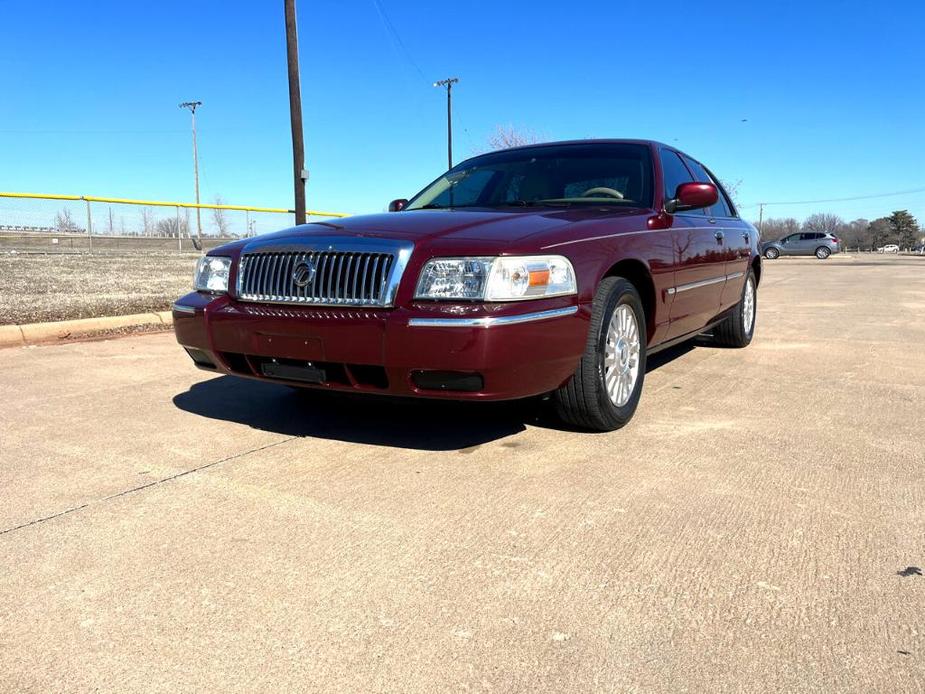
<point>609,192</point>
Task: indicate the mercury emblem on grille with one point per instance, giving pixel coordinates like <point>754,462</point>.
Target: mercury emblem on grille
<point>303,273</point>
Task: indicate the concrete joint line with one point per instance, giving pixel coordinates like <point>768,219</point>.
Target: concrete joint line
<point>141,487</point>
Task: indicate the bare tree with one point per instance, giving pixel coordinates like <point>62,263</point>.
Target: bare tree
<point>219,218</point>
<point>774,229</point>
<point>732,189</point>
<point>856,234</point>
<point>147,221</point>
<point>505,137</point>
<point>169,227</point>
<point>64,222</point>
<point>823,222</point>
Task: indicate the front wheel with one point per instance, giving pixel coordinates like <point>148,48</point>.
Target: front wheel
<point>603,393</point>
<point>822,252</point>
<point>738,328</point>
<point>772,253</point>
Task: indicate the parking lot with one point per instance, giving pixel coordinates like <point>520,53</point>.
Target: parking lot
<point>759,526</point>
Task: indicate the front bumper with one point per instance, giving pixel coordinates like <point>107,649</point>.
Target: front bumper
<point>489,352</point>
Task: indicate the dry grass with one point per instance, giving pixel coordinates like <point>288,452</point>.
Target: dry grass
<point>39,287</point>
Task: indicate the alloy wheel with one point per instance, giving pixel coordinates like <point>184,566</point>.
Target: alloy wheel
<point>748,306</point>
<point>621,355</point>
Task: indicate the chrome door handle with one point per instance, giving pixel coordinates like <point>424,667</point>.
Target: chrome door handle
<point>719,236</point>
<point>745,236</point>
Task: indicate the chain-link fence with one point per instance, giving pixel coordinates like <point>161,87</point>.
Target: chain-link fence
<point>60,223</point>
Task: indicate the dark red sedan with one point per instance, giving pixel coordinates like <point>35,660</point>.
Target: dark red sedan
<point>554,268</point>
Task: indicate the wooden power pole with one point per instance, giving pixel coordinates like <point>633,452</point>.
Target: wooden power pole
<point>192,106</point>
<point>448,83</point>
<point>300,174</point>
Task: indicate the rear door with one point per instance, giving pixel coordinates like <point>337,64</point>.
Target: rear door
<point>736,236</point>
<point>808,242</point>
<point>699,258</point>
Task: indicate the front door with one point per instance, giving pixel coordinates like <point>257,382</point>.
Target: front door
<point>699,258</point>
<point>737,241</point>
<point>790,245</point>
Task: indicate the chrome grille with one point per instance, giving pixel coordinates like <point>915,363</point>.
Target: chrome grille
<point>351,278</point>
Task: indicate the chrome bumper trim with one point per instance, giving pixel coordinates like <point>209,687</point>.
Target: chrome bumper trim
<point>180,308</point>
<point>490,321</point>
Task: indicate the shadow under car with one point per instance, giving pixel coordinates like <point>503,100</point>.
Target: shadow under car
<point>381,420</point>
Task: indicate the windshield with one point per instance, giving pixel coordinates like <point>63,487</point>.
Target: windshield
<point>560,175</point>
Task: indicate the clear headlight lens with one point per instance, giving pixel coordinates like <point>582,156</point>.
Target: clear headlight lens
<point>212,274</point>
<point>506,278</point>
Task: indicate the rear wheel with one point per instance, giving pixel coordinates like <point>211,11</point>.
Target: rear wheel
<point>772,253</point>
<point>605,389</point>
<point>738,328</point>
<point>822,252</point>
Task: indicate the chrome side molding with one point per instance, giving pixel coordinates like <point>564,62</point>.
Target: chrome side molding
<point>703,283</point>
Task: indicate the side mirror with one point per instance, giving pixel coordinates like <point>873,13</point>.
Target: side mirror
<point>692,196</point>
<point>397,205</point>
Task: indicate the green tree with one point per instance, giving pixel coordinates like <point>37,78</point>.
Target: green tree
<point>904,227</point>
<point>881,232</point>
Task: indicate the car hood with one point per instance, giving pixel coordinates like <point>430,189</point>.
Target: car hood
<point>491,227</point>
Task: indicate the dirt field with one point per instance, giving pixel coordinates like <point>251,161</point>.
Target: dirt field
<point>39,287</point>
<point>758,527</point>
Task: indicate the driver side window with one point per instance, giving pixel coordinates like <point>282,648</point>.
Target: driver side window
<point>674,172</point>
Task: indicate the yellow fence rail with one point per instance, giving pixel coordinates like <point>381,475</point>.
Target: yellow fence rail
<point>166,203</point>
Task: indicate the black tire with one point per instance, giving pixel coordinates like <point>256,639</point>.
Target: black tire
<point>733,332</point>
<point>584,401</point>
<point>771,253</point>
<point>822,252</point>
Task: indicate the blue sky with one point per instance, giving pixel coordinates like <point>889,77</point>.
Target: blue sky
<point>833,94</point>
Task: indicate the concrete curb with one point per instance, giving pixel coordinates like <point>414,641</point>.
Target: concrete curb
<point>38,333</point>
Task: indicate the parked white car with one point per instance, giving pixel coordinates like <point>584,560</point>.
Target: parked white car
<point>889,248</point>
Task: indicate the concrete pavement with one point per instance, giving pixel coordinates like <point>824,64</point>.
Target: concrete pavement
<point>759,526</point>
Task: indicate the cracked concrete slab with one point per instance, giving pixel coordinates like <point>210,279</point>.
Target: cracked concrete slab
<point>758,527</point>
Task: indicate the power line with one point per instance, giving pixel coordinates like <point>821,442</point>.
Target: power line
<point>396,39</point>
<point>848,199</point>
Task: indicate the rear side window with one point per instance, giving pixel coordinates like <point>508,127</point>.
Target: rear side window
<point>674,172</point>
<point>727,202</point>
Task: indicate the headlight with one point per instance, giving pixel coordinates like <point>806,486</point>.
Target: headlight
<point>212,274</point>
<point>507,278</point>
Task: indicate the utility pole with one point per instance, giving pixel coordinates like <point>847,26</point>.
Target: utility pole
<point>192,106</point>
<point>760,217</point>
<point>300,174</point>
<point>89,228</point>
<point>448,83</point>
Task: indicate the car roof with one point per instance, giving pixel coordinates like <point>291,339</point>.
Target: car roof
<point>591,141</point>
